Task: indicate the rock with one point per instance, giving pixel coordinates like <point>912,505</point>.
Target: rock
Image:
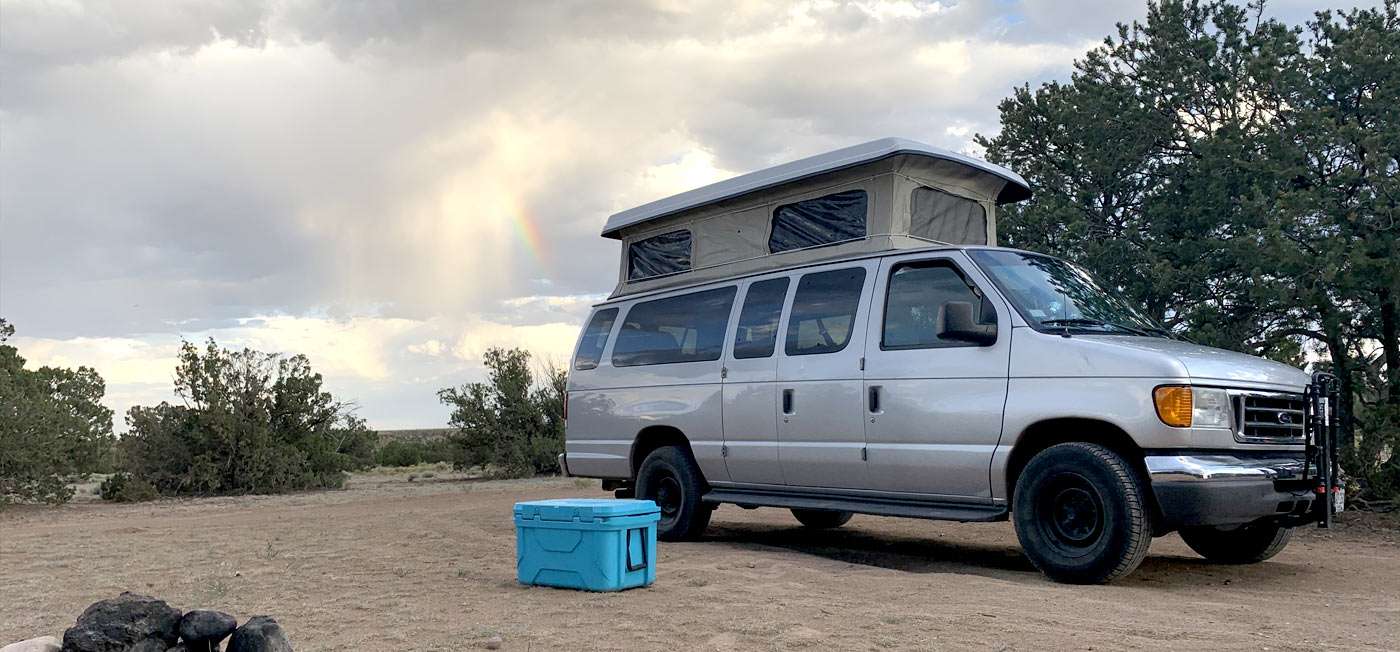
<point>259,634</point>
<point>41,644</point>
<point>200,626</point>
<point>149,645</point>
<point>118,624</point>
<point>494,643</point>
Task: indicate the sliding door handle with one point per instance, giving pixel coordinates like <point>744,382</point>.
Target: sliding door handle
<point>874,400</point>
<point>787,401</point>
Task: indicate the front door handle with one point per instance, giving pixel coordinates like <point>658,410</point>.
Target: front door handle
<point>787,401</point>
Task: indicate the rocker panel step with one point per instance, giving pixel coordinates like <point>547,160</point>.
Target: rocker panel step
<point>907,509</point>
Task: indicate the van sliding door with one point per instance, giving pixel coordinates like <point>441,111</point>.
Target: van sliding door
<point>750,390</point>
<point>821,428</point>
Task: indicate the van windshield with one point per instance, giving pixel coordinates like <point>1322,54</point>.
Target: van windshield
<point>1056,295</point>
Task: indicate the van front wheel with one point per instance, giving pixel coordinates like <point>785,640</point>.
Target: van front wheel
<point>671,479</point>
<point>1081,514</point>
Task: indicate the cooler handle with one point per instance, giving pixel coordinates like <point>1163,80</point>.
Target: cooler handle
<point>641,534</point>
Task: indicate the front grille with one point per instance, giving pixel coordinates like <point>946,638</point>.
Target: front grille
<point>1269,418</point>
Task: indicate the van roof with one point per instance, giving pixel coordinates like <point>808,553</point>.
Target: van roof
<point>614,300</point>
<point>1015,190</point>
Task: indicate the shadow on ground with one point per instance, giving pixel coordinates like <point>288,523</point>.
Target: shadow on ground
<point>913,554</point>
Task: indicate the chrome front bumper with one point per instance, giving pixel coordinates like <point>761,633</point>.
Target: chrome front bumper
<point>1227,489</point>
<point>1208,468</point>
<point>564,464</point>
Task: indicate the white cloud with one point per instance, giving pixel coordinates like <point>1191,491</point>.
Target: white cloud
<point>551,343</point>
<point>428,347</point>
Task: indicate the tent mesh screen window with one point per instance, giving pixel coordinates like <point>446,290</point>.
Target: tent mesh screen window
<point>821,221</point>
<point>945,217</point>
<point>659,255</point>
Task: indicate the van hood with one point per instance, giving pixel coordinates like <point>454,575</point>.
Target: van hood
<point>1212,365</point>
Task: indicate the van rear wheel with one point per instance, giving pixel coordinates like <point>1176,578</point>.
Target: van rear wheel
<point>1081,514</point>
<point>821,519</point>
<point>1246,544</point>
<point>671,479</point>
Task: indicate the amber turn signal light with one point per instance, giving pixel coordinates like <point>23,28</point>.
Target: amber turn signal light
<point>1173,405</point>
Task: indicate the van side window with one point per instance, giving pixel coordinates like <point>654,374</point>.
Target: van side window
<point>758,321</point>
<point>659,255</point>
<point>825,220</point>
<point>946,217</point>
<point>915,302</point>
<point>685,328</point>
<point>595,337</point>
<point>824,311</point>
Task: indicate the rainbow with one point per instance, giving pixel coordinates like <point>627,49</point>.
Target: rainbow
<point>528,230</point>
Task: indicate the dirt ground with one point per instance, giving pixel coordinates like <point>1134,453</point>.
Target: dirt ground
<point>388,564</point>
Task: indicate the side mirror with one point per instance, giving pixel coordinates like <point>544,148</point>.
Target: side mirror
<point>958,325</point>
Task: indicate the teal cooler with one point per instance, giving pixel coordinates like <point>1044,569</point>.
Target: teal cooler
<point>593,544</point>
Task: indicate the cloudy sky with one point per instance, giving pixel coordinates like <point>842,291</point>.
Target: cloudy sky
<point>390,188</point>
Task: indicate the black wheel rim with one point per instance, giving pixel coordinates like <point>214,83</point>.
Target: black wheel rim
<point>1071,512</point>
<point>667,494</point>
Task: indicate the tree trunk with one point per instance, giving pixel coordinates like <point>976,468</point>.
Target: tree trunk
<point>1390,345</point>
<point>1341,368</point>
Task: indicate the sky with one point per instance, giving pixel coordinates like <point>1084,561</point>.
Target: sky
<point>392,188</point>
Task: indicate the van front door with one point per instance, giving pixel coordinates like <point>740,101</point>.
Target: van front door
<point>934,402</point>
<point>750,392</point>
<point>821,425</point>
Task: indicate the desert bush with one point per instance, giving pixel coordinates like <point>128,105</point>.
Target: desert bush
<point>251,423</point>
<point>123,488</point>
<point>1373,460</point>
<point>509,425</point>
<point>53,427</point>
<point>413,453</point>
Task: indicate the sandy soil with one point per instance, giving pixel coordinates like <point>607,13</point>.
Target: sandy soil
<point>391,565</point>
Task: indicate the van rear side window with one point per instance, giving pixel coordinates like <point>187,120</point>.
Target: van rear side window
<point>595,337</point>
<point>827,220</point>
<point>946,217</point>
<point>758,321</point>
<point>685,328</point>
<point>659,255</point>
<point>824,311</point>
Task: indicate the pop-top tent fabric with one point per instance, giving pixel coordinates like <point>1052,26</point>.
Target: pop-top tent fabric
<point>886,194</point>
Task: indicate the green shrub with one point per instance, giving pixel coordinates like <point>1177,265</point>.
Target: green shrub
<point>251,423</point>
<point>398,453</point>
<point>509,425</point>
<point>413,453</point>
<point>53,427</point>
<point>123,488</point>
<point>1374,460</point>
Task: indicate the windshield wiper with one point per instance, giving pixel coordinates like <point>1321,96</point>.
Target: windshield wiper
<point>1085,321</point>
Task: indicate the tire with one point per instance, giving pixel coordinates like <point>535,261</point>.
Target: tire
<point>1246,544</point>
<point>821,519</point>
<point>1081,514</point>
<point>669,477</point>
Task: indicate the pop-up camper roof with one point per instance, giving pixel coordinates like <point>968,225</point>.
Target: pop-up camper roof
<point>885,194</point>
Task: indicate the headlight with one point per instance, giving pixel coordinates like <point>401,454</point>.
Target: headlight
<point>1210,408</point>
<point>1183,407</point>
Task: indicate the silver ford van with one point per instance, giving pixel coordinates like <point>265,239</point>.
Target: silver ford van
<point>840,335</point>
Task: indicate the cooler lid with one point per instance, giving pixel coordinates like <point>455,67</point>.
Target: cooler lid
<point>583,509</point>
